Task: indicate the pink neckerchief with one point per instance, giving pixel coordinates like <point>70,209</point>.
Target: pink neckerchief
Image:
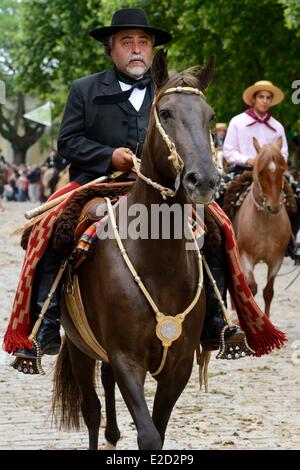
<point>251,113</point>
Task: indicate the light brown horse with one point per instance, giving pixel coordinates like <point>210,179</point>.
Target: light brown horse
<point>118,312</point>
<point>262,224</point>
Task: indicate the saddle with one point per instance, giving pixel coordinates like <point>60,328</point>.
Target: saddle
<point>92,211</point>
<point>85,234</point>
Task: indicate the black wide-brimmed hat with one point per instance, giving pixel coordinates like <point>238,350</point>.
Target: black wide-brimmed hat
<point>131,18</point>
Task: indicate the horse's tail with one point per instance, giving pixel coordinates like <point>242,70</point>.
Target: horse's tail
<point>66,398</point>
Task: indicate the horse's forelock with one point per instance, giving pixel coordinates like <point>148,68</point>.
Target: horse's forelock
<point>186,78</point>
<point>268,153</point>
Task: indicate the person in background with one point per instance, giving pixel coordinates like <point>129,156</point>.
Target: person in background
<point>256,121</point>
<point>22,185</point>
<point>219,134</point>
<point>56,164</point>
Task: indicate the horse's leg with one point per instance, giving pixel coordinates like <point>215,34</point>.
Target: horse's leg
<point>268,291</point>
<point>130,378</point>
<point>169,388</point>
<point>112,432</point>
<point>83,368</point>
<point>248,268</point>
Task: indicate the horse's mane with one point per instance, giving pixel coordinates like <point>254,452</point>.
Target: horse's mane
<point>268,153</point>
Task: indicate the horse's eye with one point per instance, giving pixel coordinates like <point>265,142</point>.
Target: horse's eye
<point>212,117</point>
<point>165,114</point>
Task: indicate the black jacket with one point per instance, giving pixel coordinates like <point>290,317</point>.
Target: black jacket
<point>90,132</point>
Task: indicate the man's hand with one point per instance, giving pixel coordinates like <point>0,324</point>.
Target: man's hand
<point>250,162</point>
<point>121,159</point>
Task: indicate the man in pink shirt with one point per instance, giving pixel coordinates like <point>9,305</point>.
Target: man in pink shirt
<point>256,121</point>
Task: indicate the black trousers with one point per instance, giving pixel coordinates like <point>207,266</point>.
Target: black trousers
<point>46,272</point>
<point>217,262</point>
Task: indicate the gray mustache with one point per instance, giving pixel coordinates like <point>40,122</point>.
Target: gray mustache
<point>136,57</point>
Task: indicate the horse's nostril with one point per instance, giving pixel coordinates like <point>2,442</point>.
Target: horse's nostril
<point>273,210</point>
<point>194,178</point>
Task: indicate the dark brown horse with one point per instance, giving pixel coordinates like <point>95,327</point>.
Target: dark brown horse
<point>262,224</point>
<point>119,314</point>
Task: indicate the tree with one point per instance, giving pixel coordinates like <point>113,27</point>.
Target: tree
<point>250,40</point>
<point>56,48</point>
<point>21,133</point>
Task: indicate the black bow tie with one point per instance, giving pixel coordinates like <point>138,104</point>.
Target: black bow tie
<point>122,96</point>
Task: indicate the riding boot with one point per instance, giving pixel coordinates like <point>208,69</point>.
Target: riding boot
<point>216,332</point>
<point>47,340</point>
<point>293,248</point>
<point>293,251</point>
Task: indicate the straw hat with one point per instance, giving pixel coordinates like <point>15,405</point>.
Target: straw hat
<point>220,126</point>
<point>263,85</point>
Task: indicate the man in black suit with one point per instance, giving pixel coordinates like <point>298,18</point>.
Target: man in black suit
<point>101,125</point>
<point>105,121</point>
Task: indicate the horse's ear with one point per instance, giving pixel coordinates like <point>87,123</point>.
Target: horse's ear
<point>256,145</point>
<point>206,73</point>
<point>279,142</point>
<point>160,68</point>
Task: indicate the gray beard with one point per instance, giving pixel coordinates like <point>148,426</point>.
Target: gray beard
<point>136,71</point>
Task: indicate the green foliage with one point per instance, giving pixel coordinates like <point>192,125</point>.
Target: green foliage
<point>292,13</point>
<point>251,40</point>
<point>9,19</point>
<point>56,47</point>
<point>20,132</point>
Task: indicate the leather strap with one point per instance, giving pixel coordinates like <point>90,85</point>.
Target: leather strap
<point>77,314</point>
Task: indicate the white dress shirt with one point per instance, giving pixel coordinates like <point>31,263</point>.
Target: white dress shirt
<point>238,144</point>
<point>137,96</point>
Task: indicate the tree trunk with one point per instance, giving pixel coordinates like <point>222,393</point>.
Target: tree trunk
<point>19,156</point>
<point>20,132</point>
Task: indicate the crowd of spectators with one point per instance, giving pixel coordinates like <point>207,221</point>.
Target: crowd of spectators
<point>24,182</point>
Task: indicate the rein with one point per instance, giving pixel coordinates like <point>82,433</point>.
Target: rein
<point>263,205</point>
<point>174,156</point>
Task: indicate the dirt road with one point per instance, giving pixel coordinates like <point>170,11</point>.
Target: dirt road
<point>253,403</point>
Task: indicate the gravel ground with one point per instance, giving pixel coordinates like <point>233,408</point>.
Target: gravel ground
<point>252,403</point>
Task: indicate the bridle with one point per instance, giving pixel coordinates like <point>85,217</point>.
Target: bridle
<point>168,327</point>
<point>174,156</point>
<point>262,206</point>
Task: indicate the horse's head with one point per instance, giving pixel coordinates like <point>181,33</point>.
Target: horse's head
<point>178,139</point>
<point>269,168</point>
